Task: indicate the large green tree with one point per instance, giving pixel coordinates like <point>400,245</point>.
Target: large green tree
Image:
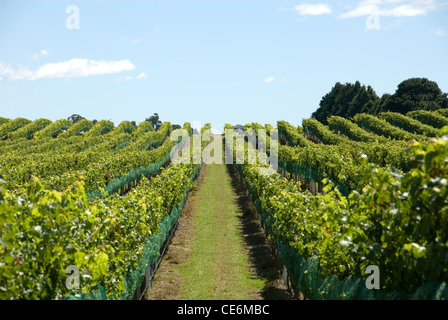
<point>75,118</point>
<point>346,100</point>
<point>154,120</point>
<point>416,94</point>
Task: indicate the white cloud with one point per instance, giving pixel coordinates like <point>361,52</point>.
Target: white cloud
<point>439,32</point>
<point>41,53</point>
<point>130,40</point>
<point>74,68</point>
<point>141,76</point>
<point>269,79</point>
<point>405,11</point>
<point>312,9</point>
<point>392,8</point>
<point>365,8</point>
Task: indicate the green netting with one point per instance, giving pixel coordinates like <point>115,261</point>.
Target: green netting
<point>344,131</point>
<point>429,291</point>
<point>82,129</point>
<point>283,134</point>
<point>94,295</point>
<point>154,143</point>
<point>4,120</point>
<point>308,172</point>
<point>58,130</point>
<point>306,276</point>
<point>302,170</point>
<point>312,132</point>
<point>121,145</point>
<point>151,254</point>
<point>133,175</point>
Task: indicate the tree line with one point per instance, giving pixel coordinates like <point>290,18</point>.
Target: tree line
<point>154,120</point>
<point>346,100</point>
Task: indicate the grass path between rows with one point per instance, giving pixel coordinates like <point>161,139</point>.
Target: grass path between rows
<point>218,267</point>
<point>219,250</point>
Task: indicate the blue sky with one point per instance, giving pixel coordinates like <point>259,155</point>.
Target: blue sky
<point>210,61</point>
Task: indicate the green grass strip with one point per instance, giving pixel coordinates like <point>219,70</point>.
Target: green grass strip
<point>218,268</point>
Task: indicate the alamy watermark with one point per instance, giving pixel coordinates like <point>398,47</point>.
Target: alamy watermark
<point>73,20</point>
<point>72,281</point>
<point>373,20</point>
<point>373,281</point>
